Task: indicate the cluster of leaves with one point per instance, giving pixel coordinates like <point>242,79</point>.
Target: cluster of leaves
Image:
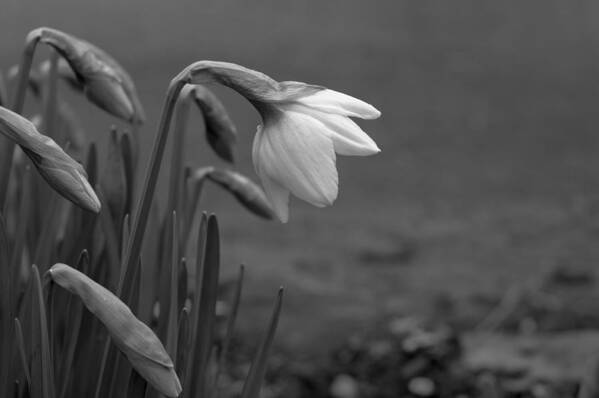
<point>126,320</point>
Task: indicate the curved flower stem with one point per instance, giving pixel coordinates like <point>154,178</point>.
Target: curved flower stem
<point>6,152</point>
<point>50,100</point>
<point>179,127</point>
<point>140,219</point>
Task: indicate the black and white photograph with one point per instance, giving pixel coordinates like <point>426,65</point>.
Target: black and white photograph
<point>299,199</point>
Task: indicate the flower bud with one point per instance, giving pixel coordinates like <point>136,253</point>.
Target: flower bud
<point>220,130</point>
<point>245,191</point>
<point>104,81</point>
<point>63,173</point>
<point>135,339</point>
<point>64,71</point>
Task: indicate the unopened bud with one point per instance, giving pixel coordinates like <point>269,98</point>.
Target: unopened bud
<point>61,171</point>
<point>220,130</point>
<point>249,194</point>
<point>134,338</point>
<point>104,81</point>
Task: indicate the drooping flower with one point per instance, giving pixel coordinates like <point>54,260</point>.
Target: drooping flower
<point>303,127</point>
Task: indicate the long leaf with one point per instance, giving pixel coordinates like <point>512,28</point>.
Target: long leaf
<point>222,357</point>
<point>114,178</point>
<point>181,118</point>
<point>22,352</point>
<point>204,327</point>
<point>173,312</point>
<point>182,342</point>
<point>127,154</point>
<point>50,99</point>
<point>47,365</point>
<point>251,388</point>
<point>183,279</point>
<point>20,238</point>
<point>196,180</point>
<point>73,326</point>
<point>110,235</point>
<point>5,306</point>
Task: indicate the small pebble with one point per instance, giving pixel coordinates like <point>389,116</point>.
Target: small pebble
<point>421,386</point>
<point>344,386</point>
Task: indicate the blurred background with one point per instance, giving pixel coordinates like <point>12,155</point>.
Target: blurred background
<point>488,178</point>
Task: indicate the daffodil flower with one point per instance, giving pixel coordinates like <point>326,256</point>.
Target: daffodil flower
<point>303,128</point>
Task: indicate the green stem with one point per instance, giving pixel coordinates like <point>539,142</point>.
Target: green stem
<point>6,152</point>
<point>50,99</point>
<point>140,220</point>
<point>179,128</point>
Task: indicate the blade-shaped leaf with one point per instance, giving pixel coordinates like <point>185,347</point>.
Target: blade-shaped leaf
<point>47,364</point>
<point>50,98</point>
<point>181,118</point>
<point>111,237</point>
<point>196,377</point>
<point>22,352</point>
<point>173,312</point>
<point>222,357</point>
<point>127,153</point>
<point>182,342</point>
<point>74,311</point>
<point>114,179</point>
<point>5,306</point>
<point>251,388</point>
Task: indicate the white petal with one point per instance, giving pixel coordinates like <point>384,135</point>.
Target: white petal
<point>331,101</point>
<point>296,152</point>
<point>348,138</point>
<point>277,195</point>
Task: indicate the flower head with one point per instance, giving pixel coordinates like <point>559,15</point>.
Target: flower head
<point>104,81</point>
<point>61,171</point>
<point>303,127</point>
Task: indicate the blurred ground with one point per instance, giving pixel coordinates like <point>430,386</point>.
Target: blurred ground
<point>488,175</point>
